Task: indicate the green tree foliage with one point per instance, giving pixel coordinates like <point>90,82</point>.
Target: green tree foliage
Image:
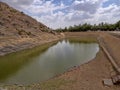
<point>88,27</point>
<point>118,25</point>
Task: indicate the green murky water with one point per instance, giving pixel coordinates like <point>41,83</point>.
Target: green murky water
<point>44,62</point>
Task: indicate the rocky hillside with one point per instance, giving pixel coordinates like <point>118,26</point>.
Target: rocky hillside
<point>13,22</point>
<point>19,31</point>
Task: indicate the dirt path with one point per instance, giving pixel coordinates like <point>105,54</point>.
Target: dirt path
<point>113,45</point>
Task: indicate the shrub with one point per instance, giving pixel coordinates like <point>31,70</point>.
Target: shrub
<point>12,10</point>
<point>21,32</point>
<point>1,23</point>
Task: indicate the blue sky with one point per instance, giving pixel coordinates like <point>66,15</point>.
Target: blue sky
<point>107,3</point>
<point>65,13</point>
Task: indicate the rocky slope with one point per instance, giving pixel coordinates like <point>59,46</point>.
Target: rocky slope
<point>19,31</point>
<point>13,22</point>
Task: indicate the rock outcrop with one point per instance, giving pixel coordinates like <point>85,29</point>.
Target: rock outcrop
<point>19,31</point>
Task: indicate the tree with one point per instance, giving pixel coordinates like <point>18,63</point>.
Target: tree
<point>117,25</point>
<point>88,27</point>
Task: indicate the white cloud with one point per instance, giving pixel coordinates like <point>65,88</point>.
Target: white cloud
<point>76,2</point>
<point>90,6</point>
<point>41,7</point>
<point>18,4</point>
<point>109,14</point>
<point>80,11</point>
<point>81,14</point>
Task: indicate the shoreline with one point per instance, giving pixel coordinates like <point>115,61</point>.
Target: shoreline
<point>24,45</point>
<point>76,79</point>
<point>87,76</point>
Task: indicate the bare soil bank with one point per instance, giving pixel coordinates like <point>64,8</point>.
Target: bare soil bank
<point>14,44</point>
<point>88,76</point>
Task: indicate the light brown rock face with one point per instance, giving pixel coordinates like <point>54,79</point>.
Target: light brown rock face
<point>13,22</point>
<point>19,31</point>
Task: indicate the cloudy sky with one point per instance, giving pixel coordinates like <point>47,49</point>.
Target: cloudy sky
<point>61,13</point>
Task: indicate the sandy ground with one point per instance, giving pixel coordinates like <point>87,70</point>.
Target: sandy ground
<point>88,76</point>
<point>113,45</point>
